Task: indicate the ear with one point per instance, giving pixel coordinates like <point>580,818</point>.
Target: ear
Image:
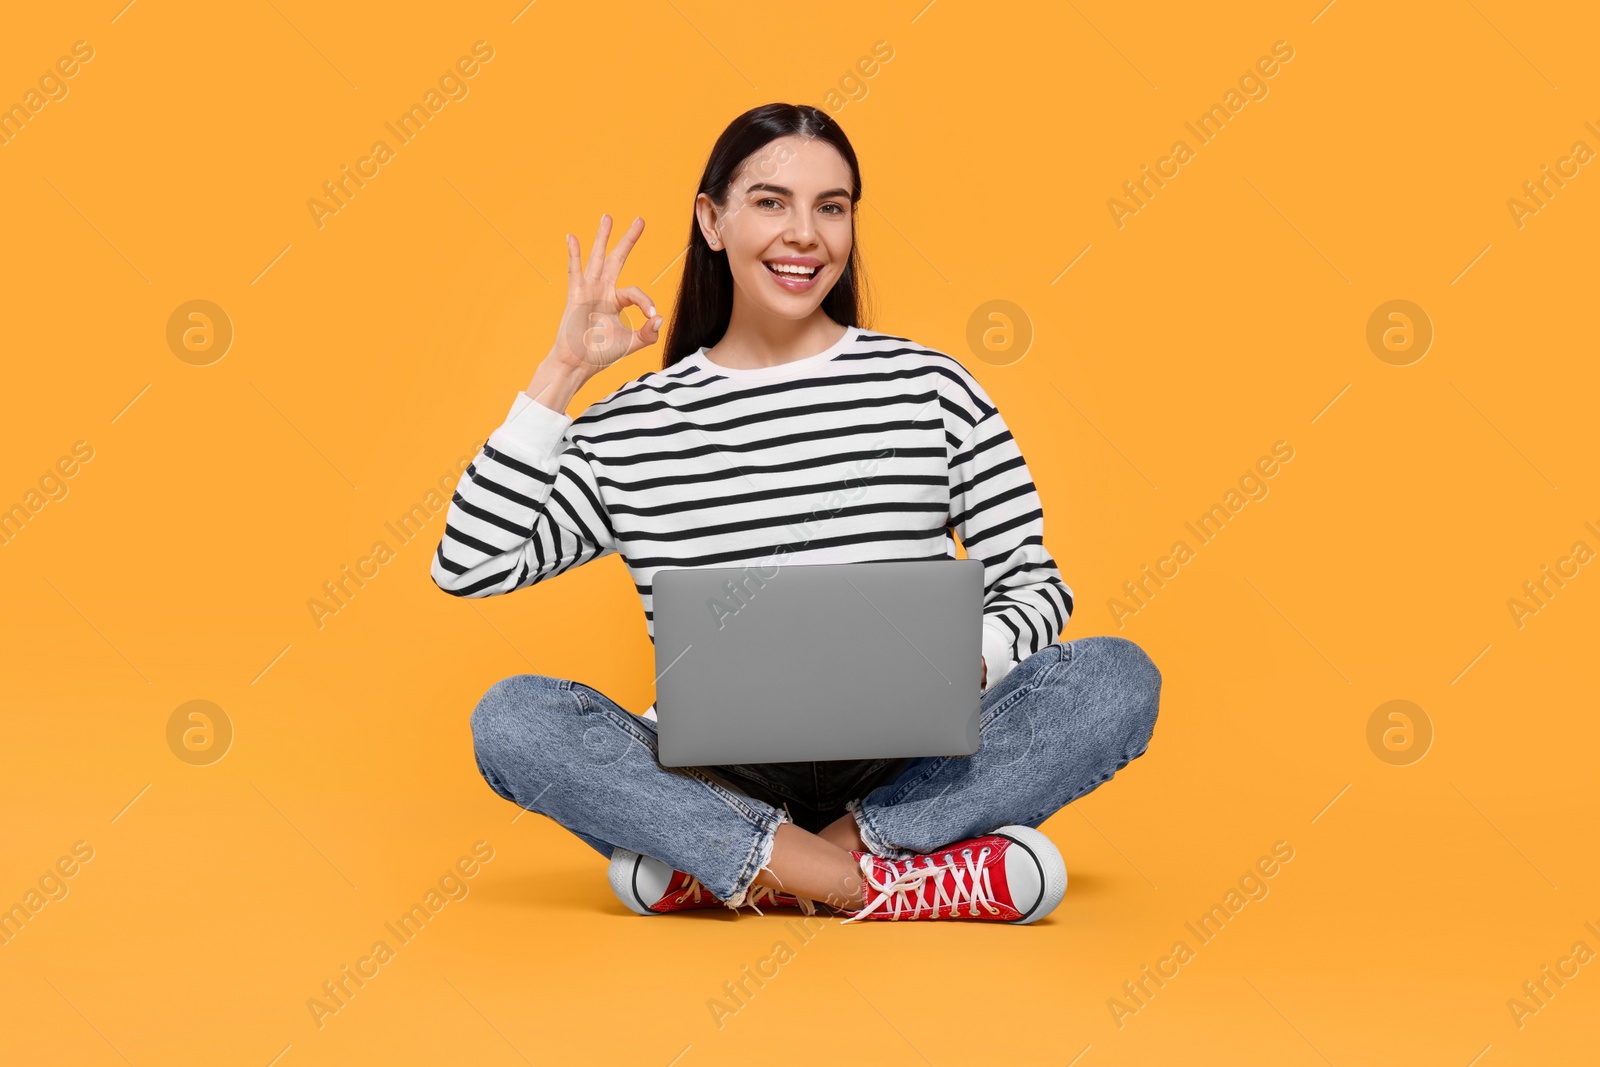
<point>705,212</point>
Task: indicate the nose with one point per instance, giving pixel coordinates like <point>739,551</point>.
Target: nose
<point>802,230</point>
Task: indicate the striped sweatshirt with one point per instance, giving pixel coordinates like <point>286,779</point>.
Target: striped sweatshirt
<point>874,449</point>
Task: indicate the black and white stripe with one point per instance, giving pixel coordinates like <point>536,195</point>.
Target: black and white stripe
<point>875,450</point>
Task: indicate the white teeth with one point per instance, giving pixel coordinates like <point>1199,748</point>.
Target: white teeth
<point>786,268</point>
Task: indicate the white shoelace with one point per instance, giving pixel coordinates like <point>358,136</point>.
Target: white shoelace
<point>970,886</point>
<point>694,887</point>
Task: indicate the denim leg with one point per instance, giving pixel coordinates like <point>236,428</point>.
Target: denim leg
<point>568,752</point>
<point>1062,722</point>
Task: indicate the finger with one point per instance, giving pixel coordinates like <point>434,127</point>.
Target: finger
<point>574,263</point>
<point>650,332</point>
<point>597,254</point>
<point>636,296</point>
<point>619,256</point>
<point>646,335</point>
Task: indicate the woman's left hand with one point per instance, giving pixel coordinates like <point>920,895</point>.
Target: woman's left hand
<point>984,680</point>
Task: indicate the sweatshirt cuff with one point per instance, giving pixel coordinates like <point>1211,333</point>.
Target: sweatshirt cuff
<point>532,432</point>
<point>996,652</point>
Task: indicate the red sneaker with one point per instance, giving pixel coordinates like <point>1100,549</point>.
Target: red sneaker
<point>650,887</point>
<point>1013,875</point>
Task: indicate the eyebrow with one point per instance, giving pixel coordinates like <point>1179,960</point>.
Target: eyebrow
<point>785,191</point>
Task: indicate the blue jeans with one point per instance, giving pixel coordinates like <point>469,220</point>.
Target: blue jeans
<point>1063,721</point>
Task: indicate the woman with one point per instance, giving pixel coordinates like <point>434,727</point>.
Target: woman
<point>769,397</point>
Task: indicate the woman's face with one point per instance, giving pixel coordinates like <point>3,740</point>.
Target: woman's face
<point>788,207</point>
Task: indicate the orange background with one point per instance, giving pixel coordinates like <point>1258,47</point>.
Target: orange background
<point>1229,313</point>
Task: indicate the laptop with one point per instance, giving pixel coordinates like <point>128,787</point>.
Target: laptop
<point>799,662</point>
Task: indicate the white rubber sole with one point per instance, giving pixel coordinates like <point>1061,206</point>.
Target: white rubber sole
<point>624,875</point>
<point>1053,882</point>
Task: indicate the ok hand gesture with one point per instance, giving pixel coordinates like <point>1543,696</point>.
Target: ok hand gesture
<point>592,335</point>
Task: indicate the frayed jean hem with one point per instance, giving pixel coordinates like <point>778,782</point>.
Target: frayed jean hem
<point>759,858</point>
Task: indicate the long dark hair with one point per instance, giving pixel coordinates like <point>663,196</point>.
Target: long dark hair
<point>705,293</point>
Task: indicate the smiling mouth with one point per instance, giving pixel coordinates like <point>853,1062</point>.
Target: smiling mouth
<point>790,270</point>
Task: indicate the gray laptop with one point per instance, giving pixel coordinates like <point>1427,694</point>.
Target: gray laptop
<point>818,661</point>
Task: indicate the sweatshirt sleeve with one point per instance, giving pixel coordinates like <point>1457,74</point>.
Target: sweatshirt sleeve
<point>528,508</point>
<point>996,512</point>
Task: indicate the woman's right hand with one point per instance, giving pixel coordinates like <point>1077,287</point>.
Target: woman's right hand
<point>592,335</point>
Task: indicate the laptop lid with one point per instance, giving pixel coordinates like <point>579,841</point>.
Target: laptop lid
<point>818,661</point>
